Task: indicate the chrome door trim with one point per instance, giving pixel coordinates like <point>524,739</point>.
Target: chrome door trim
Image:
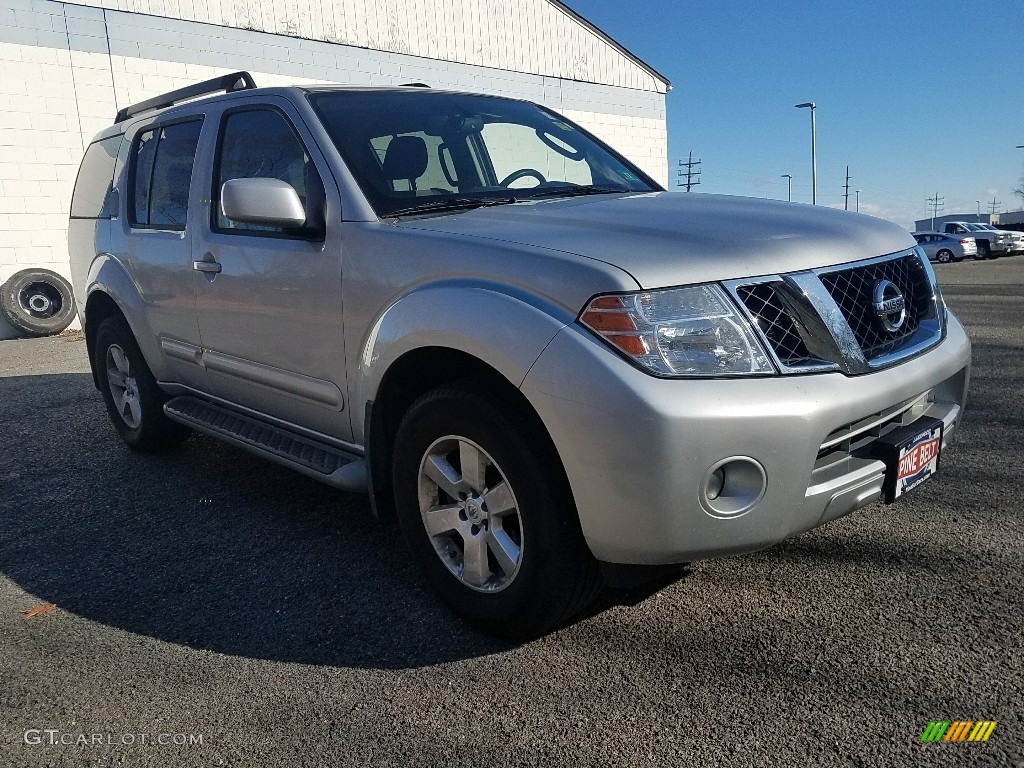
<point>317,391</point>
<point>298,385</point>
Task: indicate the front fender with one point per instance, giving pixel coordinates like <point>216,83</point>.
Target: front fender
<point>504,331</point>
<point>109,276</point>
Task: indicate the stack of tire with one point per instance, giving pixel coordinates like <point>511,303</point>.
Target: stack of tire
<point>37,302</point>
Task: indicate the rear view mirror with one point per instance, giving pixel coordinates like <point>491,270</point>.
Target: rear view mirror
<point>262,201</point>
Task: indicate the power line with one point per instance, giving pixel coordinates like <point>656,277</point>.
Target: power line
<point>690,172</point>
<point>935,203</point>
<point>993,207</point>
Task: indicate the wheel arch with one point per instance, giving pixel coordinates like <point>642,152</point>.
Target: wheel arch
<point>98,307</point>
<point>434,335</point>
<point>414,374</point>
<point>110,290</point>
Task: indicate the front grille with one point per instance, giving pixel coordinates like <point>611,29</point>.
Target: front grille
<point>774,321</point>
<point>826,319</point>
<point>852,291</point>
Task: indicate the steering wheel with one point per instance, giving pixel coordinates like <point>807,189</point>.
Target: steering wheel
<point>522,173</point>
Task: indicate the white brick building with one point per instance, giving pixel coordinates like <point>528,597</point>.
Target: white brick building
<point>65,69</point>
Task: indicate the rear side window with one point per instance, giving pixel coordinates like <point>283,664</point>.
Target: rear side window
<point>161,174</point>
<point>92,197</point>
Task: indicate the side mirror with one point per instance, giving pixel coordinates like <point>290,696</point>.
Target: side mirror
<point>262,201</point>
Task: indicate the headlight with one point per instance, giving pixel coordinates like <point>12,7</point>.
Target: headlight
<point>692,331</point>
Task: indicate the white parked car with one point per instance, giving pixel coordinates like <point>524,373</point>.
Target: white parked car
<point>991,243</point>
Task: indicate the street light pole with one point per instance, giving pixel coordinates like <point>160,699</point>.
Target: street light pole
<point>790,177</point>
<point>814,151</point>
<point>978,203</point>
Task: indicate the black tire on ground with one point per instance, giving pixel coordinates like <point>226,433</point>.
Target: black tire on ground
<point>555,577</point>
<point>944,256</point>
<point>37,302</point>
<point>136,410</point>
<point>983,251</point>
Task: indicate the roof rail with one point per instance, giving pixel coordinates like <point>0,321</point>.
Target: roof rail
<point>414,85</point>
<point>236,81</point>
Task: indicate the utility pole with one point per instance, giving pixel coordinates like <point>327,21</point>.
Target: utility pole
<point>789,177</point>
<point>935,203</point>
<point>690,174</point>
<point>978,203</point>
<point>858,201</point>
<point>993,207</point>
<point>846,194</point>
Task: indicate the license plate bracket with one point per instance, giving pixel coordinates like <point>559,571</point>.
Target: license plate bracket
<point>911,455</point>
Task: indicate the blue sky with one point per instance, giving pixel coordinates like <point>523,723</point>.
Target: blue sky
<point>917,98</point>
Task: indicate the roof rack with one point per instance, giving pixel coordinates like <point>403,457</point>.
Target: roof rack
<point>236,81</point>
<point>414,85</point>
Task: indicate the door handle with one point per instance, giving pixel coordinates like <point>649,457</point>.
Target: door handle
<point>210,267</point>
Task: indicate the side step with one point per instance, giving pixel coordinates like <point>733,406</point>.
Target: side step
<point>322,462</point>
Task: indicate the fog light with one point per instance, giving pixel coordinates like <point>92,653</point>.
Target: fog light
<point>733,487</point>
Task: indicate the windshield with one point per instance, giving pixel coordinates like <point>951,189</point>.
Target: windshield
<point>422,151</point>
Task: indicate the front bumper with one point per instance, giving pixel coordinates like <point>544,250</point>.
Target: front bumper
<point>637,449</point>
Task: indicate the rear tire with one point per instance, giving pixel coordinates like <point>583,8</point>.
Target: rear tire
<point>944,256</point>
<point>37,302</point>
<point>133,399</point>
<point>504,549</point>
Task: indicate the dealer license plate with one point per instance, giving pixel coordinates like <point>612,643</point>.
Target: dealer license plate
<point>911,456</point>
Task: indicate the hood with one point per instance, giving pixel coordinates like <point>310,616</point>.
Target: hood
<point>669,238</point>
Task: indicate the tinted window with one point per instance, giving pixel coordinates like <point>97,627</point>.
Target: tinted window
<point>512,147</point>
<point>145,153</point>
<point>91,198</point>
<point>162,174</point>
<point>438,169</point>
<point>260,144</point>
<point>425,150</point>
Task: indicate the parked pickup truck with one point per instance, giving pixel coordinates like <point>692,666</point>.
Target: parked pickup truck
<point>1016,239</point>
<point>991,243</point>
<point>551,372</point>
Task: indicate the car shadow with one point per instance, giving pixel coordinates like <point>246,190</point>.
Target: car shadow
<point>206,546</point>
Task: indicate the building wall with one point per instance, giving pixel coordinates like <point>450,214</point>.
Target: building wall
<point>535,36</point>
<point>925,225</point>
<point>65,70</point>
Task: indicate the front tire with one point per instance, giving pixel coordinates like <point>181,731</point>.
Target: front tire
<point>133,399</point>
<point>983,251</point>
<point>487,513</point>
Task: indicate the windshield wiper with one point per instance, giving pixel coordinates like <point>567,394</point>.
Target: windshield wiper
<point>586,189</point>
<point>453,204</point>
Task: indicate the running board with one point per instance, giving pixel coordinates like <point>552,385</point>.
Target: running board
<point>322,462</point>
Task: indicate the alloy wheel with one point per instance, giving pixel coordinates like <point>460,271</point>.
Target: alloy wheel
<point>470,514</point>
<point>123,387</point>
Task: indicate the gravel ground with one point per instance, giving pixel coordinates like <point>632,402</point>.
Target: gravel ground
<point>208,594</point>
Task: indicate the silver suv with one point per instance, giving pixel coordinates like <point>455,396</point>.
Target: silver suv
<point>553,373</point>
